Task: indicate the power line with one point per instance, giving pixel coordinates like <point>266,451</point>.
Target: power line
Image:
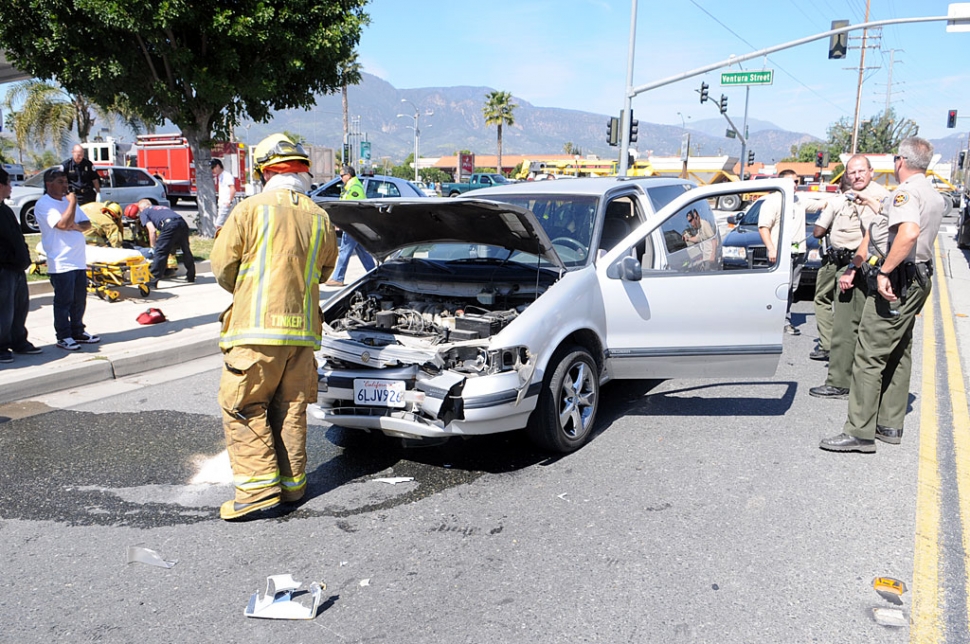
<point>773,62</point>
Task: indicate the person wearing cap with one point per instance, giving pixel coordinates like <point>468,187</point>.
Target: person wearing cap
<point>226,188</point>
<point>14,297</point>
<point>270,255</point>
<point>167,231</point>
<point>353,190</point>
<point>62,227</point>
<point>106,227</point>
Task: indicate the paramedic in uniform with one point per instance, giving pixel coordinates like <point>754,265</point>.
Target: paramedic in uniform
<point>903,282</point>
<point>106,227</point>
<point>270,255</point>
<point>167,232</point>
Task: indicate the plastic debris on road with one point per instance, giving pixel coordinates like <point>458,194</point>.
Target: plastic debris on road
<point>394,480</point>
<point>278,601</point>
<point>889,589</point>
<point>150,557</point>
<point>889,616</point>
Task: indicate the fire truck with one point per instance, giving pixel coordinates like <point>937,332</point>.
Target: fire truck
<point>169,157</point>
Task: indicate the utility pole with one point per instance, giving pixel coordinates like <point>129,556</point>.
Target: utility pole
<point>858,91</point>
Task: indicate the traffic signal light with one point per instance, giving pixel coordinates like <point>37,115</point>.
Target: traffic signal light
<point>751,157</point>
<point>634,128</point>
<point>723,104</point>
<point>951,119</point>
<point>704,88</point>
<point>838,43</point>
<point>963,159</point>
<point>613,131</point>
<point>820,159</point>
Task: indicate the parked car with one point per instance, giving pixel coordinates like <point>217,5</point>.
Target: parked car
<point>510,307</point>
<point>377,186</point>
<point>423,187</point>
<point>477,181</point>
<point>118,183</point>
<point>743,247</point>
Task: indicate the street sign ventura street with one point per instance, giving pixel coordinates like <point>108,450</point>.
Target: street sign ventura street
<point>764,77</point>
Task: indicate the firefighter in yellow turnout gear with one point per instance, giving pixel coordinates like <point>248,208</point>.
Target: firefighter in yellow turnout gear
<point>270,255</point>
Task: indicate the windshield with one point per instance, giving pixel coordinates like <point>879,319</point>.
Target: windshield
<point>566,219</point>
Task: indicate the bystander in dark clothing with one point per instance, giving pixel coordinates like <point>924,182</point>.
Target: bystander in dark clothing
<point>14,298</point>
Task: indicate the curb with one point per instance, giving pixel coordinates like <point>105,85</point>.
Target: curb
<point>57,378</point>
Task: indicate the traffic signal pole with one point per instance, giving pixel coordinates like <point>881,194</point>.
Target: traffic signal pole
<point>957,21</point>
<point>744,139</point>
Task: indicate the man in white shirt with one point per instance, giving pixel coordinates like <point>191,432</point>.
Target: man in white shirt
<point>226,187</point>
<point>62,225</point>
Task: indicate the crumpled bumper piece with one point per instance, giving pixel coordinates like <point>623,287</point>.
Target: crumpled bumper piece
<point>278,603</point>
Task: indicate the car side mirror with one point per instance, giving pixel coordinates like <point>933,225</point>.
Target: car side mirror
<point>628,269</point>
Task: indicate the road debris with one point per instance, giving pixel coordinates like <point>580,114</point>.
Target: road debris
<point>889,589</point>
<point>394,480</point>
<point>278,602</point>
<point>889,616</point>
<point>150,557</point>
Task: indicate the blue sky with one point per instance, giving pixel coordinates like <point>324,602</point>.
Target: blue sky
<point>573,54</point>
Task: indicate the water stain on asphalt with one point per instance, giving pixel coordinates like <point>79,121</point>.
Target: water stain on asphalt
<point>84,468</point>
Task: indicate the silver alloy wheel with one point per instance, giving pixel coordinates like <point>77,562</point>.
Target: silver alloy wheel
<point>577,400</point>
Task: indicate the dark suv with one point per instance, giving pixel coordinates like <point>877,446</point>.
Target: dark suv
<point>743,247</point>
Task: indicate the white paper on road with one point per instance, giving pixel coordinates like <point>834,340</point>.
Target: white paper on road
<point>278,603</point>
<point>394,480</point>
<point>150,557</point>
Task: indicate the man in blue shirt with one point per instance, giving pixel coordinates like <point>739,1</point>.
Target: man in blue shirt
<point>167,231</point>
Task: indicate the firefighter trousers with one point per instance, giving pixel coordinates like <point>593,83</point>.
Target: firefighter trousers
<point>264,392</point>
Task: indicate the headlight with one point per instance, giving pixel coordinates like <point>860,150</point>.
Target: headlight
<point>502,360</point>
<point>735,252</point>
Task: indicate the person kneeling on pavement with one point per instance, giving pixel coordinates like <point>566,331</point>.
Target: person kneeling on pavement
<point>106,227</point>
<point>167,231</point>
<point>272,328</point>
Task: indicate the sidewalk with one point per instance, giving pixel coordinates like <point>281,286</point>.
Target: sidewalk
<point>126,347</point>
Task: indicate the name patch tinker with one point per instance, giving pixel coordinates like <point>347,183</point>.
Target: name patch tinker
<point>900,199</point>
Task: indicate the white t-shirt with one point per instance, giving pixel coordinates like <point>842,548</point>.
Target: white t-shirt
<point>225,182</point>
<point>64,248</point>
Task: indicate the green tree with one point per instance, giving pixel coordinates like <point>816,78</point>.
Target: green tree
<point>205,66</point>
<point>498,111</point>
<point>296,137</point>
<point>879,134</point>
<point>42,160</point>
<point>569,148</point>
<point>806,152</point>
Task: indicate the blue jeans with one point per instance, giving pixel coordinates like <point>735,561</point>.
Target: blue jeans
<point>14,303</point>
<point>70,300</point>
<point>349,246</point>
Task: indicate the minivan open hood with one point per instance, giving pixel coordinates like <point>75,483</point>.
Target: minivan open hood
<point>383,226</point>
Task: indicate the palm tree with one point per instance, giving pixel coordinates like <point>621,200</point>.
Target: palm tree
<point>49,113</point>
<point>498,111</point>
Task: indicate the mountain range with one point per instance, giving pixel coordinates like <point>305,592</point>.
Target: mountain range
<point>450,119</point>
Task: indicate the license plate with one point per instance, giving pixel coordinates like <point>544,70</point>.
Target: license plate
<point>379,393</point>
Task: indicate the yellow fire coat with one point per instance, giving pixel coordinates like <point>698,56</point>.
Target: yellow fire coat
<point>270,255</point>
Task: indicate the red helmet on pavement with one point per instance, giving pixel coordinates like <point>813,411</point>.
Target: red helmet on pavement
<point>151,316</point>
<point>132,211</point>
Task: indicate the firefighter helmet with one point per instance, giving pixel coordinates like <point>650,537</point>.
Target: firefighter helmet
<point>277,148</point>
<point>112,209</point>
<point>132,211</point>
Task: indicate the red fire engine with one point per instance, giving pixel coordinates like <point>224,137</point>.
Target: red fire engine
<point>169,156</point>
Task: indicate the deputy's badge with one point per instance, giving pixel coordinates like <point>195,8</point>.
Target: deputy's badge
<point>900,199</point>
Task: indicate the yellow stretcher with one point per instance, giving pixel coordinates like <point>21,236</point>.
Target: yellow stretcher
<point>110,268</point>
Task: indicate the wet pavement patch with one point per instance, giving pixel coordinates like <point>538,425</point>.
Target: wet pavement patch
<point>134,469</point>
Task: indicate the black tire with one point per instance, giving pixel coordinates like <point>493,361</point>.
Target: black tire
<point>172,200</point>
<point>571,389</point>
<point>28,220</point>
<point>455,193</point>
<point>729,202</point>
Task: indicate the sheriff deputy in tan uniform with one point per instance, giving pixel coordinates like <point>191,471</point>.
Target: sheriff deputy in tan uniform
<point>846,219</point>
<point>106,227</point>
<point>270,255</point>
<point>903,282</point>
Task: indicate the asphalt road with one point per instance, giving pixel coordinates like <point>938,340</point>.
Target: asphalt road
<point>702,511</point>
